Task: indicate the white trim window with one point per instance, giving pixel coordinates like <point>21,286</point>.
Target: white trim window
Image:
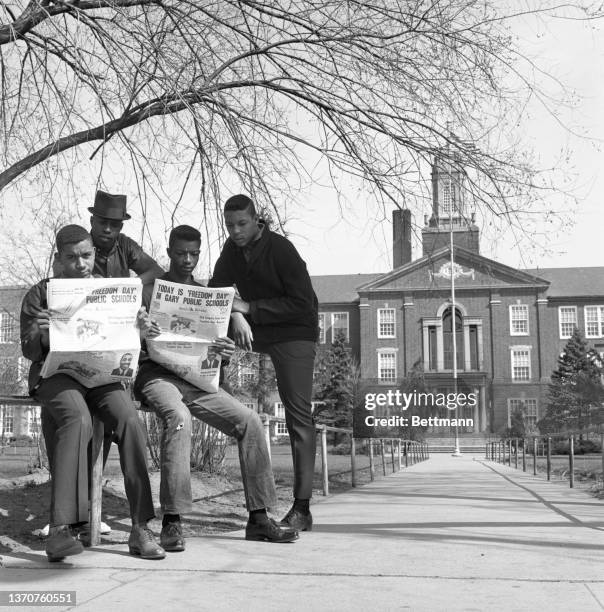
<point>386,323</point>
<point>33,420</point>
<point>8,327</point>
<point>567,321</point>
<point>519,320</point>
<point>280,428</point>
<point>521,363</point>
<point>339,322</point>
<point>322,329</point>
<point>387,366</point>
<point>594,321</point>
<point>7,419</point>
<point>251,405</point>
<point>246,375</point>
<point>527,406</point>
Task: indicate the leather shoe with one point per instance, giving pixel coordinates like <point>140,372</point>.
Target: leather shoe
<point>142,543</point>
<point>171,537</point>
<point>298,520</point>
<point>269,531</point>
<point>61,543</point>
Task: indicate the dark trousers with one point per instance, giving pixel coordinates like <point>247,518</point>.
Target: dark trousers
<point>294,363</point>
<point>67,407</point>
<point>49,429</point>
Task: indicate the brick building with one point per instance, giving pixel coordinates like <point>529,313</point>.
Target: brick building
<point>14,420</point>
<point>510,325</point>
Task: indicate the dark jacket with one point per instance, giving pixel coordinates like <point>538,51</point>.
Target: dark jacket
<point>275,283</point>
<point>31,335</point>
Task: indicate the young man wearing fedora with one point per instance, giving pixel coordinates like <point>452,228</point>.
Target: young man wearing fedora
<point>116,253</point>
<point>277,315</point>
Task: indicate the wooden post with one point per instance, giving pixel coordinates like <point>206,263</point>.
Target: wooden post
<point>534,456</point>
<point>400,458</point>
<point>383,456</point>
<point>515,453</point>
<point>96,486</point>
<point>353,463</point>
<point>524,454</point>
<point>392,454</point>
<point>571,460</point>
<point>371,463</point>
<point>549,458</point>
<point>324,458</point>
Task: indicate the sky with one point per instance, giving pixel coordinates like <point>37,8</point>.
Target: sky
<point>336,243</point>
<point>351,235</point>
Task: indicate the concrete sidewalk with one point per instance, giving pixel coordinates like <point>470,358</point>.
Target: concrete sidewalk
<point>445,534</point>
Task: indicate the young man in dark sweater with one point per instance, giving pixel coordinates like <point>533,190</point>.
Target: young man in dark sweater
<point>175,401</point>
<point>278,315</point>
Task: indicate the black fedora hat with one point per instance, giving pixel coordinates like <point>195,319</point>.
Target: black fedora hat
<point>109,206</point>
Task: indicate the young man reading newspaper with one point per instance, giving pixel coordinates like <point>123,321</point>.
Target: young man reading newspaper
<point>277,315</point>
<point>115,256</point>
<point>174,400</point>
<point>68,405</point>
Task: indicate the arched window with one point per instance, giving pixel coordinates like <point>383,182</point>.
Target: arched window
<point>448,338</point>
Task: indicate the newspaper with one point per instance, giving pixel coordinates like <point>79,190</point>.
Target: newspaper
<point>190,318</point>
<point>93,333</point>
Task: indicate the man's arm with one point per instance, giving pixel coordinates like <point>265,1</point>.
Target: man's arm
<point>144,265</point>
<point>34,322</point>
<point>152,270</point>
<point>224,276</point>
<point>298,298</point>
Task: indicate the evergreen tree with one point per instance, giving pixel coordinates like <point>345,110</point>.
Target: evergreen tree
<point>576,392</point>
<point>251,376</point>
<point>335,383</point>
<point>517,428</point>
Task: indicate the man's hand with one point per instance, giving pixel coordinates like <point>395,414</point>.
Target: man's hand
<point>225,347</point>
<point>43,318</point>
<point>43,321</point>
<point>241,330</point>
<point>148,327</point>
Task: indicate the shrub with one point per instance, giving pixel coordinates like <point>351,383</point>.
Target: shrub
<point>208,445</point>
<point>581,447</point>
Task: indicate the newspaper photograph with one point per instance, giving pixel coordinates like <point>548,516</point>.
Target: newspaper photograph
<point>190,318</point>
<point>93,333</point>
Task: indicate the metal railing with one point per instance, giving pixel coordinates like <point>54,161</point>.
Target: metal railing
<point>504,450</point>
<point>407,452</point>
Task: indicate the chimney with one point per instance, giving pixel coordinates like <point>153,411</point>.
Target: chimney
<point>401,237</point>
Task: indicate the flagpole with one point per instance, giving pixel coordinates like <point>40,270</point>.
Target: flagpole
<point>456,452</point>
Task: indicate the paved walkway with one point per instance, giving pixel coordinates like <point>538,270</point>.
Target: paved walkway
<point>446,534</point>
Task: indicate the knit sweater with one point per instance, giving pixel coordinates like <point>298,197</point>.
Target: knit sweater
<point>275,282</point>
